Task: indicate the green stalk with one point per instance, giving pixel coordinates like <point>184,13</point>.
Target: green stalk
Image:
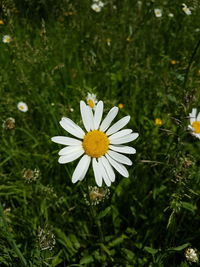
<point>10,239</point>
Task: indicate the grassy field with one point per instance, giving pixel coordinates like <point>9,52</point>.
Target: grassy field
<point>128,57</point>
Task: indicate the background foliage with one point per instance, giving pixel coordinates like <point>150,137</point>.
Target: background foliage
<point>60,51</point>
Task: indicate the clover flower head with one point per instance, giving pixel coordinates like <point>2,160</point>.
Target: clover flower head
<point>46,238</point>
<point>9,124</point>
<point>96,195</point>
<point>191,255</point>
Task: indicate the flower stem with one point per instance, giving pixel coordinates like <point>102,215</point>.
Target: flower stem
<point>190,63</point>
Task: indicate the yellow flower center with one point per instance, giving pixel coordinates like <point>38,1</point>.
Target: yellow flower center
<point>95,143</point>
<point>90,103</point>
<point>196,126</point>
<point>22,107</point>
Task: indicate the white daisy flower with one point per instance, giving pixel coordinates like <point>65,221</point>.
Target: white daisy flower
<point>186,10</point>
<point>101,144</point>
<point>96,7</point>
<point>194,123</point>
<point>22,106</point>
<point>7,39</point>
<point>158,12</point>
<point>91,100</point>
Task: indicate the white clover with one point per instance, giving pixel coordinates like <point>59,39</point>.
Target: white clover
<point>194,126</point>
<point>186,10</point>
<point>191,255</point>
<point>91,100</point>
<point>158,12</point>
<point>102,144</point>
<point>22,106</point>
<point>6,39</point>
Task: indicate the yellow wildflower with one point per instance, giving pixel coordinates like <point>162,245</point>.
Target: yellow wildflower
<point>158,122</point>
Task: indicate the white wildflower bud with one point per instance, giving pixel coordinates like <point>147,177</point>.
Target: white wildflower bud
<point>191,255</point>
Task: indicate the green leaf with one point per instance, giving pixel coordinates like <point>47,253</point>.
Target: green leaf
<point>188,206</point>
<point>179,248</point>
<point>103,213</point>
<point>56,260</point>
<point>65,241</point>
<point>129,254</point>
<point>117,241</point>
<point>150,250</point>
<point>86,259</point>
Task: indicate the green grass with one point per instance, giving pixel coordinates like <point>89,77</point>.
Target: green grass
<point>148,219</point>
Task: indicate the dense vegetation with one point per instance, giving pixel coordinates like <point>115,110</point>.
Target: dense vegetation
<point>60,51</point>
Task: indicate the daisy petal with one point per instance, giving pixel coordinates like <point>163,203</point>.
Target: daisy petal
<point>193,115</point>
<point>91,117</point>
<point>108,168</point>
<point>63,140</point>
<point>104,174</point>
<point>120,134</point>
<point>118,125</point>
<point>70,157</point>
<point>71,127</point>
<point>85,115</point>
<point>119,157</point>
<point>97,172</point>
<point>197,135</point>
<point>81,169</point>
<point>108,119</point>
<point>118,166</point>
<point>198,117</point>
<point>190,128</point>
<point>123,149</point>
<point>98,114</point>
<point>68,150</point>
<point>126,139</point>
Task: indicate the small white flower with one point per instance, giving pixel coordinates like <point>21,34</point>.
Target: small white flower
<point>7,39</point>
<point>191,255</point>
<point>194,126</point>
<point>91,100</point>
<point>139,4</point>
<point>22,106</point>
<point>171,15</point>
<point>96,7</point>
<point>158,12</point>
<point>186,10</point>
<point>101,4</point>
<point>101,144</point>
